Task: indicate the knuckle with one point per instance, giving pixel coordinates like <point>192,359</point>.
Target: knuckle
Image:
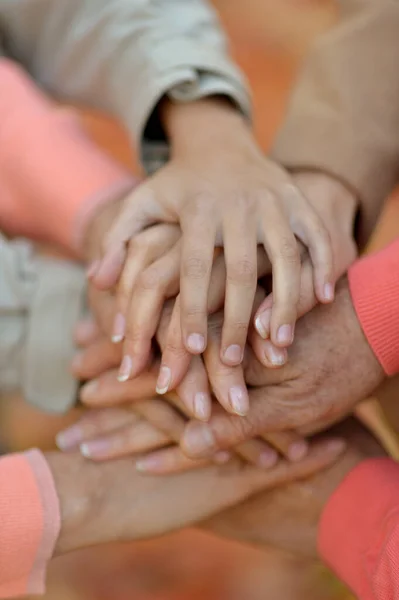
<point>288,251</point>
<point>150,279</point>
<point>195,268</point>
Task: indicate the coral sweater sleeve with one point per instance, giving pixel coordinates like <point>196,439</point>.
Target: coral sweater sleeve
<point>52,176</point>
<point>29,523</point>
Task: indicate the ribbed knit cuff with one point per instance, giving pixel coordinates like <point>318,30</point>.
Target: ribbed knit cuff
<point>374,285</point>
<point>357,523</point>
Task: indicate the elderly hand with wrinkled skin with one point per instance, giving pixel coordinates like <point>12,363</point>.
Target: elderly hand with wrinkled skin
<point>331,369</point>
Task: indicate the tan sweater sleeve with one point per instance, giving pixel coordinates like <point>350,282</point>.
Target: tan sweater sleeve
<point>123,56</point>
<point>343,116</point>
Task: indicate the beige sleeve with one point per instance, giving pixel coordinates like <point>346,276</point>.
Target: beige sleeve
<point>343,116</point>
<point>123,56</point>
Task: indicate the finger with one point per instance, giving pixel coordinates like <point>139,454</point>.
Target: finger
<point>92,424</point>
<point>103,307</point>
<point>167,462</point>
<point>94,360</point>
<point>86,332</point>
<point>227,383</point>
<point>258,453</point>
<point>310,229</point>
<point>137,437</point>
<point>139,210</point>
<point>272,409</point>
<point>107,391</point>
<point>194,390</point>
<point>155,284</point>
<point>175,357</point>
<point>289,444</point>
<point>198,244</point>
<point>282,248</point>
<point>240,255</point>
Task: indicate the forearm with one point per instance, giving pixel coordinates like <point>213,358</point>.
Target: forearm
<point>342,119</point>
<point>53,176</point>
<point>130,54</point>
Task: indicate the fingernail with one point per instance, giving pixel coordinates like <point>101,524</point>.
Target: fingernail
<point>328,292</point>
<point>233,354</point>
<point>262,323</point>
<point>95,449</point>
<point>85,330</point>
<point>268,458</point>
<point>297,451</point>
<point>202,406</point>
<point>77,361</point>
<point>239,400</point>
<point>285,334</point>
<point>125,369</point>
<point>276,356</point>
<point>93,268</point>
<point>196,343</point>
<point>164,379</point>
<point>69,438</point>
<point>89,389</point>
<point>199,439</point>
<point>118,329</point>
<point>148,463</point>
<point>222,457</point>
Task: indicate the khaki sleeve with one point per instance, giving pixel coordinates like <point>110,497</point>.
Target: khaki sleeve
<point>123,56</point>
<point>343,116</point>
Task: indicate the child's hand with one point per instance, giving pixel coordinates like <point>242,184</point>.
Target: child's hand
<point>223,192</point>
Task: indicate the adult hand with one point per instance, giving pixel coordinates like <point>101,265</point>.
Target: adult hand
<point>112,502</point>
<point>287,517</point>
<point>331,368</point>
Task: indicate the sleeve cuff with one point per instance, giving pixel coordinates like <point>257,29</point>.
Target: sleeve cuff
<point>357,522</point>
<point>374,286</point>
<point>30,523</point>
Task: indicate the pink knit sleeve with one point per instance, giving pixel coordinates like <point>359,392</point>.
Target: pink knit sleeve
<point>359,530</point>
<point>29,523</point>
<point>374,286</point>
<point>52,176</point>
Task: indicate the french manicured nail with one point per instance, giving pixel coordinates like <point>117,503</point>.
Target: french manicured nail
<point>328,291</point>
<point>233,354</point>
<point>276,356</point>
<point>297,451</point>
<point>93,268</point>
<point>222,457</point>
<point>148,464</point>
<point>118,329</point>
<point>125,368</point>
<point>196,343</point>
<point>89,389</point>
<point>202,406</point>
<point>268,458</point>
<point>239,400</point>
<point>336,445</point>
<point>285,334</point>
<point>69,438</point>
<point>95,449</point>
<point>262,323</point>
<point>163,381</point>
<point>198,439</point>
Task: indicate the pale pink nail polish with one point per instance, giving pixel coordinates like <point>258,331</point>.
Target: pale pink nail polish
<point>222,457</point>
<point>148,464</point>
<point>328,291</point>
<point>285,334</point>
<point>69,438</point>
<point>239,400</point>
<point>297,451</point>
<point>268,458</point>
<point>89,389</point>
<point>125,369</point>
<point>276,356</point>
<point>196,343</point>
<point>95,448</point>
<point>164,379</point>
<point>202,406</point>
<point>262,323</point>
<point>118,329</point>
<point>233,354</point>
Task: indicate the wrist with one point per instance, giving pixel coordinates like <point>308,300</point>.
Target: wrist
<point>208,121</point>
<point>78,487</point>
